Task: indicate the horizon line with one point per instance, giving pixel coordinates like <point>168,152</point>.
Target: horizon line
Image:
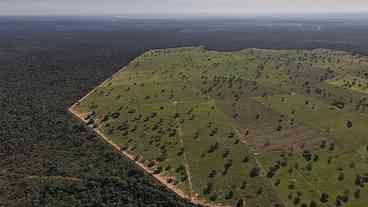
<point>286,14</point>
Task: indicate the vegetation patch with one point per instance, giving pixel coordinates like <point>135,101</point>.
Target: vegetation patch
<point>351,82</point>
<point>248,128</point>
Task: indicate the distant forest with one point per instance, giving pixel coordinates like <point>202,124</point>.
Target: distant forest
<point>47,157</point>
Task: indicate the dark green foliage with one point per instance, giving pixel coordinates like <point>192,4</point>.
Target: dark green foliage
<point>207,190</point>
<point>324,197</point>
<point>349,124</point>
<point>254,172</point>
<point>229,195</point>
<point>48,158</point>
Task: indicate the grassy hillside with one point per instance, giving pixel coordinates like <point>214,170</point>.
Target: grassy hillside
<point>249,128</point>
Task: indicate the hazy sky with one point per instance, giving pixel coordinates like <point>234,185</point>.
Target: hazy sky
<point>172,7</point>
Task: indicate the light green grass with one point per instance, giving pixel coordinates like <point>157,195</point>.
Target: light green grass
<point>351,82</point>
<point>172,100</point>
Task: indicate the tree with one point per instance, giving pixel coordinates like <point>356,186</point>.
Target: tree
<point>349,124</point>
<point>291,186</point>
<point>226,153</point>
<point>213,147</point>
<point>212,174</point>
<point>235,116</point>
<point>254,172</point>
<point>157,170</point>
<point>207,190</point>
<point>246,159</point>
<point>243,185</point>
<point>213,197</point>
<point>258,116</point>
<point>307,155</point>
<point>240,203</point>
<point>341,176</point>
<point>324,197</point>
<point>227,165</point>
<point>279,128</point>
<point>229,195</point>
<point>296,201</point>
<point>357,193</point>
<point>359,181</point>
<point>277,182</point>
<point>231,135</point>
<point>309,167</point>
<point>315,158</point>
<point>313,204</point>
<point>260,190</point>
<point>323,144</point>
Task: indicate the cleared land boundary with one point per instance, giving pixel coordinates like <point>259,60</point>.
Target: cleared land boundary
<point>160,178</point>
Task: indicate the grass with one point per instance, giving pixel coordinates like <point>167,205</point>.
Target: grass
<point>351,82</point>
<point>226,119</point>
<point>328,119</point>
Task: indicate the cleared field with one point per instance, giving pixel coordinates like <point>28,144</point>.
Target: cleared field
<point>351,82</point>
<point>248,128</point>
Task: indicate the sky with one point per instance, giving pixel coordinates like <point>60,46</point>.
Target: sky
<point>178,7</point>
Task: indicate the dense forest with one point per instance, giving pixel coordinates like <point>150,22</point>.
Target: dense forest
<point>48,158</point>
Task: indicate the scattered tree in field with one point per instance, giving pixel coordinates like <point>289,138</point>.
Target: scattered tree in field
<point>296,201</point>
<point>212,174</point>
<point>279,128</point>
<point>290,196</point>
<point>352,164</point>
<point>157,170</point>
<point>277,182</point>
<point>229,195</point>
<point>213,147</point>
<point>309,167</point>
<point>207,190</point>
<point>213,197</point>
<point>227,165</point>
<point>245,159</point>
<point>349,124</point>
<point>255,172</point>
<point>231,135</point>
<point>312,203</point>
<point>307,155</point>
<point>181,151</point>
<point>291,186</point>
<point>323,144</point>
<point>226,153</point>
<point>258,116</point>
<point>324,197</point>
<point>243,185</point>
<point>357,193</point>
